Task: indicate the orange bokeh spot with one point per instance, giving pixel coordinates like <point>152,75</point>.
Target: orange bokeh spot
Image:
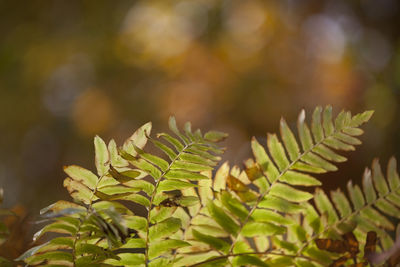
<point>92,112</point>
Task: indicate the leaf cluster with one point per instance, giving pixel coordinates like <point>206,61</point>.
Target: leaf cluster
<point>261,215</point>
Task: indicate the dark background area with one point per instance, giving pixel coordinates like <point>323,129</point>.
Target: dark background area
<point>73,69</point>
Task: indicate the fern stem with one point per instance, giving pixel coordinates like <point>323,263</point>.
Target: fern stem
<point>146,255</point>
<point>76,238</point>
<point>254,253</point>
<point>345,218</point>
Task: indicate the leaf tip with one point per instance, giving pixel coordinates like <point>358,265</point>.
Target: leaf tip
<point>302,116</point>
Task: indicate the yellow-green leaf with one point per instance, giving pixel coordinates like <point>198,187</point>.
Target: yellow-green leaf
<point>289,193</point>
<point>158,248</point>
<point>290,141</point>
<point>138,138</point>
<point>102,158</point>
<point>252,229</point>
<point>277,152</point>
<point>164,229</point>
<point>82,175</point>
<point>223,219</point>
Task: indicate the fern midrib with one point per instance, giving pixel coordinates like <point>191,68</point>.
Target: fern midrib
<point>345,218</point>
<point>146,257</point>
<point>277,180</point>
<point>76,238</point>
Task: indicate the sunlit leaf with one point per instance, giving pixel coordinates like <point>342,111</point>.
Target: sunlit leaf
<point>249,259</point>
<point>289,193</point>
<point>82,175</point>
<point>298,178</point>
<point>128,259</point>
<point>138,139</point>
<point>264,161</point>
<point>214,242</point>
<point>252,229</point>
<point>164,228</point>
<point>215,136</point>
<point>223,219</point>
<point>78,190</point>
<point>183,174</point>
<point>102,157</point>
<point>160,247</point>
<point>50,256</point>
<point>316,125</point>
<point>220,177</point>
<point>289,140</point>
<point>277,152</point>
<point>167,185</point>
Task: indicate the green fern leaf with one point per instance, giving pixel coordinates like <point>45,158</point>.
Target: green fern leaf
<point>214,242</point>
<point>372,209</point>
<point>289,193</point>
<point>223,219</point>
<point>252,229</point>
<point>158,248</point>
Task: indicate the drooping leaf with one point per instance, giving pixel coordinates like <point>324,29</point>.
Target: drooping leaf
<point>124,176</point>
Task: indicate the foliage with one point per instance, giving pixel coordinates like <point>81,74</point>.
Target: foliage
<point>263,215</point>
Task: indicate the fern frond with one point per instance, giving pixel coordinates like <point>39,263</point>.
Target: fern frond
<point>282,173</point>
<point>93,226</point>
<point>374,207</point>
<point>258,216</point>
<point>162,185</point>
<point>247,206</point>
<point>84,236</point>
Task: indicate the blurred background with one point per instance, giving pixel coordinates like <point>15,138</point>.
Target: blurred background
<point>73,69</point>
